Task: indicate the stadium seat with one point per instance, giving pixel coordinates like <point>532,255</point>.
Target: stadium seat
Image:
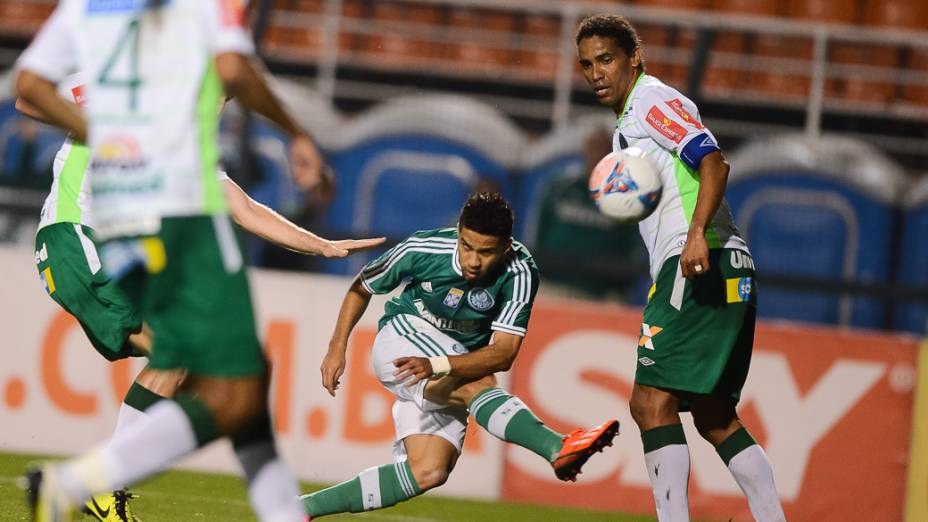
<point>822,211</point>
<point>904,14</point>
<point>538,56</point>
<point>24,17</point>
<point>408,164</point>
<point>784,82</point>
<point>726,73</point>
<point>485,49</point>
<point>659,42</point>
<point>913,316</point>
<point>917,93</point>
<point>871,88</point>
<point>398,43</point>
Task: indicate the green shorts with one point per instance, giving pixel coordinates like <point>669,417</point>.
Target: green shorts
<point>697,334</point>
<point>73,276</point>
<point>189,284</point>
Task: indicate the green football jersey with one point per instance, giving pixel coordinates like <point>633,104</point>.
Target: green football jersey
<point>436,291</point>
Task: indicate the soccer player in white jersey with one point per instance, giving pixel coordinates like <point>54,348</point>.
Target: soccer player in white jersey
<point>68,264</point>
<point>695,344</point>
<point>156,70</point>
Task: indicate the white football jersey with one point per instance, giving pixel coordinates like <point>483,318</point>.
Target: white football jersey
<point>68,201</point>
<point>665,124</point>
<point>153,100</point>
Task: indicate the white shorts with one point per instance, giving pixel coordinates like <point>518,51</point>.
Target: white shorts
<point>413,414</point>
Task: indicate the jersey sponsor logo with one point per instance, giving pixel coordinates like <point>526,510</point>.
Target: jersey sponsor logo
<point>232,12</point>
<point>41,255</point>
<point>647,333</point>
<point>118,153</point>
<point>681,111</point>
<point>427,287</point>
<point>47,280</point>
<point>480,299</point>
<point>646,361</point>
<point>122,6</point>
<point>740,259</point>
<point>453,298</point>
<point>79,97</point>
<point>464,327</point>
<point>738,289</point>
<point>664,125</point>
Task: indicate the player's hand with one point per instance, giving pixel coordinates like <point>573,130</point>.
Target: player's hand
<point>694,261</point>
<point>306,162</point>
<point>333,366</point>
<point>416,369</point>
<point>346,247</point>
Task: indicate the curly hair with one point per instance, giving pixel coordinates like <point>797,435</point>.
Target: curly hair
<point>487,213</point>
<point>611,26</point>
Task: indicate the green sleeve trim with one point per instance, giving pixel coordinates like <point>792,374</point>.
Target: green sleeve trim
<point>69,184</point>
<point>214,200</point>
<point>735,444</point>
<point>657,438</point>
<point>688,185</point>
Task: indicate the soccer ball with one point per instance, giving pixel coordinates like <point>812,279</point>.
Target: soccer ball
<point>625,185</point>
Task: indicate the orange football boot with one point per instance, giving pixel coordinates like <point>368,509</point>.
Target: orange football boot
<point>580,445</point>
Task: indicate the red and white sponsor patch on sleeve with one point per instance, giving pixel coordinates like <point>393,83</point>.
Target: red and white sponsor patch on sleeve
<point>232,12</point>
<point>78,93</point>
<point>678,108</point>
<point>666,126</point>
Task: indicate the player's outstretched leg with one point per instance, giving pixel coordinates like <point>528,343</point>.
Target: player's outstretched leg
<point>150,386</point>
<point>427,462</point>
<point>508,418</point>
<point>717,422</point>
<point>171,430</point>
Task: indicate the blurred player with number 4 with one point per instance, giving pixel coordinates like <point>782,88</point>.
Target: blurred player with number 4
<point>695,344</point>
<point>155,74</point>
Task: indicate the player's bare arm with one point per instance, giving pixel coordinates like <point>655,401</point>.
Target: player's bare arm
<point>713,174</point>
<point>40,97</point>
<point>498,356</point>
<point>353,307</point>
<point>243,80</point>
<point>271,226</point>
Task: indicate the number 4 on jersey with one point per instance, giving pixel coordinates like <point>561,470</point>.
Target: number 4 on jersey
<point>130,39</point>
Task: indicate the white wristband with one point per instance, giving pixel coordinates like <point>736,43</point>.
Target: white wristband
<point>440,365</point>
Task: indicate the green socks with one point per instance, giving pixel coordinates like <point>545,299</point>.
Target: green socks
<point>507,418</point>
<point>140,397</point>
<point>735,444</point>
<point>373,488</point>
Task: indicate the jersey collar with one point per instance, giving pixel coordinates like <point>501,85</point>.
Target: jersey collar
<point>618,122</point>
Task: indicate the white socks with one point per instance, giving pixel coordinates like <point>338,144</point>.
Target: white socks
<point>669,471</point>
<point>127,417</point>
<point>754,475</point>
<point>143,448</point>
<point>272,490</point>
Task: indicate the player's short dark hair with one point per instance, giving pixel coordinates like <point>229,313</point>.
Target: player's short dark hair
<point>611,26</point>
<point>487,213</point>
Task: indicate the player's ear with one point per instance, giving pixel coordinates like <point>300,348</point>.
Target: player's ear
<point>636,58</point>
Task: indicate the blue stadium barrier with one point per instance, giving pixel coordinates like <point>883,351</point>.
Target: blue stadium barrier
<point>829,218</point>
<point>410,164</point>
<point>913,261</point>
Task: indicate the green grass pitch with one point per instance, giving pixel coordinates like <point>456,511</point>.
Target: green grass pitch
<point>182,495</point>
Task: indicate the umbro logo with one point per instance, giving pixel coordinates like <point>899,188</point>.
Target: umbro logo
<point>647,333</point>
<point>646,361</point>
